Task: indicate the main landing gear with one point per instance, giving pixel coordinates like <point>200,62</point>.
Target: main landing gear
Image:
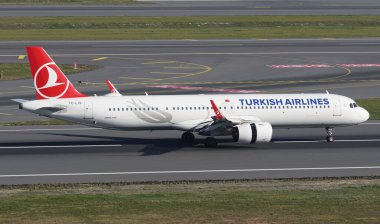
<point>330,137</point>
<point>188,138</point>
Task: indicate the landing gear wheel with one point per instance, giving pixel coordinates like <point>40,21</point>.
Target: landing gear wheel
<point>330,137</point>
<point>188,138</point>
<point>211,142</point>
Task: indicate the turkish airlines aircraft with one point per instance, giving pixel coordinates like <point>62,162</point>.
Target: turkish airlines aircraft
<point>247,118</point>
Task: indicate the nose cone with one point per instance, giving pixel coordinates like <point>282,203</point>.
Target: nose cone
<point>364,115</point>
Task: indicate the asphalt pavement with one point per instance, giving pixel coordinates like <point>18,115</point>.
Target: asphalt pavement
<point>76,154</point>
<point>202,8</point>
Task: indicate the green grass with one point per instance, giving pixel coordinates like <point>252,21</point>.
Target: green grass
<point>36,122</point>
<point>325,201</point>
<point>373,107</point>
<point>65,2</point>
<point>187,27</point>
<point>22,71</point>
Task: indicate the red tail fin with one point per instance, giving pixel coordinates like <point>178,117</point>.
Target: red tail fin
<point>49,80</point>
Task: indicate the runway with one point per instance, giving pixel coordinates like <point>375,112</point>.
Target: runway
<point>75,154</point>
<point>203,8</point>
<point>72,154</point>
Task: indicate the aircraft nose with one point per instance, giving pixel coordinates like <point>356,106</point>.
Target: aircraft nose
<point>364,115</point>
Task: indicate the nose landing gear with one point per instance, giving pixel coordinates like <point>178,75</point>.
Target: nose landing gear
<point>330,137</point>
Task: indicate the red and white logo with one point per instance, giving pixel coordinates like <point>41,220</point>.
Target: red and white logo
<point>49,81</point>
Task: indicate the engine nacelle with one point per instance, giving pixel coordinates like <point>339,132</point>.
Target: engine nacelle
<point>252,133</point>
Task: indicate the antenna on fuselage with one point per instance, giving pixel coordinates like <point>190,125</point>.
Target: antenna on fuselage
<point>327,92</point>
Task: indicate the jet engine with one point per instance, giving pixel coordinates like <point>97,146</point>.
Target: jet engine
<point>252,133</point>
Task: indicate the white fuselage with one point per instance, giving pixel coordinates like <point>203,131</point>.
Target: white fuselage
<point>186,112</point>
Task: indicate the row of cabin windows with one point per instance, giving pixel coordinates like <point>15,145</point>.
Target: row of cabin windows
<point>132,109</point>
<point>208,108</point>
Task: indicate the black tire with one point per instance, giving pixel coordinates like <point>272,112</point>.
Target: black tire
<point>235,134</point>
<point>330,139</point>
<point>188,138</point>
<point>211,142</point>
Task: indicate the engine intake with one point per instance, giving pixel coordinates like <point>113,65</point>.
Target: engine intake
<point>252,133</point>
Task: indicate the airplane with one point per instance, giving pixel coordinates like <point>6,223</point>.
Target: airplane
<point>247,118</point>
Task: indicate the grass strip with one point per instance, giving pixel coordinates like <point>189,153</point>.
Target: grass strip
<point>13,71</point>
<point>66,2</point>
<point>373,107</point>
<point>187,27</point>
<point>271,201</point>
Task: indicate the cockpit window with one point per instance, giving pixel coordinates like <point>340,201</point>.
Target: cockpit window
<point>353,105</point>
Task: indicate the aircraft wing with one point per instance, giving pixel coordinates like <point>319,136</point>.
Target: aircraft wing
<point>220,125</point>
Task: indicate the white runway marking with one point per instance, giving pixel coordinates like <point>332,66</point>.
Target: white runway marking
<point>56,146</point>
<point>49,129</point>
<point>343,140</point>
<point>189,171</point>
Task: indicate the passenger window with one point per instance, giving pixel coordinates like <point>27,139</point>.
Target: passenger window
<point>109,109</point>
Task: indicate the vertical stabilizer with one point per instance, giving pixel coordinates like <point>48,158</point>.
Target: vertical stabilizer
<point>49,80</point>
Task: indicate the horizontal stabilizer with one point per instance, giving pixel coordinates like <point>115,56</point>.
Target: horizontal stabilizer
<point>19,100</point>
<point>51,109</point>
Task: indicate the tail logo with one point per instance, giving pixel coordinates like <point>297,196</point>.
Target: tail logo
<point>49,82</point>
